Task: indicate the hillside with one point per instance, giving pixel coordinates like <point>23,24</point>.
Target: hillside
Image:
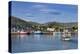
<point>17,22</point>
<point>20,23</point>
<point>70,24</point>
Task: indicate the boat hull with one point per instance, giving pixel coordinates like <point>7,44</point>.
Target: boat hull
<point>20,33</point>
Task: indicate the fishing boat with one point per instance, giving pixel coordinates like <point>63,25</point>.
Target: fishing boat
<point>21,32</point>
<point>66,36</point>
<point>37,32</point>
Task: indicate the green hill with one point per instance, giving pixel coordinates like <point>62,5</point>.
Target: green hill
<point>17,22</point>
<point>70,24</point>
<point>20,23</point>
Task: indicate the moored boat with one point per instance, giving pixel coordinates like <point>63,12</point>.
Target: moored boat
<point>37,32</point>
<point>20,33</point>
<point>66,36</point>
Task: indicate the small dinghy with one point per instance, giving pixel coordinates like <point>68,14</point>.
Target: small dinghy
<point>66,36</point>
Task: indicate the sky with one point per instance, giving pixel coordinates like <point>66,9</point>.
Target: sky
<point>44,12</point>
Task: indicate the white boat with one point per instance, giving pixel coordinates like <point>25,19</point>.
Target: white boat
<point>37,32</point>
<point>66,39</point>
<point>66,36</point>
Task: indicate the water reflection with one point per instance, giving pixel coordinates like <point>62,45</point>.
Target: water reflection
<point>37,37</point>
<point>37,42</point>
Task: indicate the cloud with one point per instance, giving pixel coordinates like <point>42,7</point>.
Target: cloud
<point>38,6</point>
<point>51,11</point>
<point>42,12</point>
<point>29,15</point>
<point>43,9</point>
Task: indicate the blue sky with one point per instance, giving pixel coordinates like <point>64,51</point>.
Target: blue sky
<point>44,12</point>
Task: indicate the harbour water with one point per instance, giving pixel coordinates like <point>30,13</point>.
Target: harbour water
<point>42,42</point>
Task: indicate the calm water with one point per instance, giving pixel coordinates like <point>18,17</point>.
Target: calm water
<point>37,42</point>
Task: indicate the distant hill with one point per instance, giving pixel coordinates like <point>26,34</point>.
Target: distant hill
<point>15,21</point>
<point>70,24</point>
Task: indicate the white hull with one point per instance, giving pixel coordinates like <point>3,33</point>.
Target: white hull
<point>66,39</point>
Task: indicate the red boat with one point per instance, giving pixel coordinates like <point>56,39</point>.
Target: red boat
<point>21,33</point>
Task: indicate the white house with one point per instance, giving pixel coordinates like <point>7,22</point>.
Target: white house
<point>50,29</point>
